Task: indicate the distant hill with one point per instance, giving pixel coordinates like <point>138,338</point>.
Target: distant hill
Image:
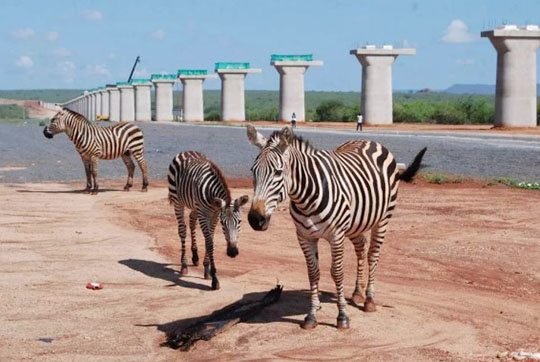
<point>475,89</point>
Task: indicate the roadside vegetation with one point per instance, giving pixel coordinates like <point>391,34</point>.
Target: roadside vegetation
<point>428,107</point>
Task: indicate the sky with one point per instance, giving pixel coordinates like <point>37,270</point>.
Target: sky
<point>86,44</point>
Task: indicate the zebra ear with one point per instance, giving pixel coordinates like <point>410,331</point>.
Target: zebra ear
<point>286,135</point>
<point>219,203</point>
<point>241,201</point>
<point>255,137</point>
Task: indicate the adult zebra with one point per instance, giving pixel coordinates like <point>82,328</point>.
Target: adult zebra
<point>198,184</point>
<point>95,142</point>
<point>334,195</point>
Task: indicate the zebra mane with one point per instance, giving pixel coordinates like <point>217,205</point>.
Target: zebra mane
<point>297,140</point>
<point>69,111</point>
<point>222,179</point>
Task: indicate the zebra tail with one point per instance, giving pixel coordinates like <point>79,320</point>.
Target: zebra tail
<point>411,171</point>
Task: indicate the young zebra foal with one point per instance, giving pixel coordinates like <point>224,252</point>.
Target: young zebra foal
<point>95,142</point>
<point>196,183</point>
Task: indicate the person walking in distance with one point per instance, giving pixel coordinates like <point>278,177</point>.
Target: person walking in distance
<point>359,121</point>
<point>293,120</point>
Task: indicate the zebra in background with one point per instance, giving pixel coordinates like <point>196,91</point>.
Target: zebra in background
<point>95,142</point>
<point>196,183</point>
<point>334,195</point>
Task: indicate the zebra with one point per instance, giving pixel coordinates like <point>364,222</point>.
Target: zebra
<point>95,142</point>
<point>334,194</point>
<point>197,183</point>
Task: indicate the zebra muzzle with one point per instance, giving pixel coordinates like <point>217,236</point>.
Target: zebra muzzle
<point>47,133</point>
<point>257,221</point>
<point>232,251</point>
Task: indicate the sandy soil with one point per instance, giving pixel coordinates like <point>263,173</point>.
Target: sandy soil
<point>33,109</point>
<point>414,127</point>
<point>459,279</point>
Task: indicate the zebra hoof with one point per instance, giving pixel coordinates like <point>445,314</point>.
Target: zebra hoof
<point>127,187</point>
<point>195,259</point>
<point>310,322</point>
<point>93,193</point>
<point>358,298</point>
<point>342,322</point>
<point>369,306</point>
<point>87,191</point>
<point>215,284</point>
<point>144,189</point>
<point>184,270</point>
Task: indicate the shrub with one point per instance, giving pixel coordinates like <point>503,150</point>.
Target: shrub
<point>413,112</point>
<point>335,111</point>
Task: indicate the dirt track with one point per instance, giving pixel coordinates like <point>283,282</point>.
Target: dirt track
<point>459,279</point>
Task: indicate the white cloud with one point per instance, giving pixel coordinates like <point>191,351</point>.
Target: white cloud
<point>61,52</point>
<point>112,56</point>
<point>93,15</point>
<point>97,69</point>
<point>53,35</point>
<point>24,61</point>
<point>465,61</point>
<point>458,32</point>
<point>159,34</point>
<point>23,33</point>
<point>67,70</point>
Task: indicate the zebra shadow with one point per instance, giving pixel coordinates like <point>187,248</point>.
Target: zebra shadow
<point>162,271</point>
<point>291,308</point>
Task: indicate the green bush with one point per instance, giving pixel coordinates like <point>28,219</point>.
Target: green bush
<point>335,111</point>
<point>11,111</point>
<point>212,116</point>
<point>448,113</point>
<point>477,109</point>
<point>413,112</point>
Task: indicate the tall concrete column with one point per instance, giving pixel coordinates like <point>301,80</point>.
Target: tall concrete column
<point>233,106</point>
<point>143,102</point>
<point>164,96</point>
<point>98,102</point>
<point>192,94</point>
<point>104,102</point>
<point>114,104</point>
<point>291,69</point>
<point>127,101</point>
<point>92,109</point>
<point>515,95</point>
<point>377,81</point>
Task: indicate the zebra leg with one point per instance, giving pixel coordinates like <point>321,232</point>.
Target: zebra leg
<point>208,225</point>
<point>179,212</point>
<point>360,247</point>
<point>94,169</point>
<point>377,237</point>
<point>86,163</point>
<point>310,249</point>
<point>192,227</point>
<point>337,274</point>
<point>131,169</point>
<point>139,156</point>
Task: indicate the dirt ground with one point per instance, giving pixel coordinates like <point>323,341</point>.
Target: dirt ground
<point>458,279</point>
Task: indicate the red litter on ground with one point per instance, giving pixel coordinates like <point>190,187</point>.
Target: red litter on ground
<point>94,286</point>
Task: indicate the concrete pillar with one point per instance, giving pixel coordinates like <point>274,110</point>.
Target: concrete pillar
<point>98,102</point>
<point>114,104</point>
<point>233,106</point>
<point>92,109</point>
<point>143,102</point>
<point>192,94</point>
<point>515,95</point>
<point>104,102</point>
<point>127,102</point>
<point>164,96</point>
<point>291,69</point>
<point>377,81</point>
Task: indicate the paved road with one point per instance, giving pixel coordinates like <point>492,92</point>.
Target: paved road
<point>466,154</point>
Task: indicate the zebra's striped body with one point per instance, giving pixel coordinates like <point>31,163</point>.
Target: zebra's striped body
<point>95,142</point>
<point>334,195</point>
<point>197,184</point>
